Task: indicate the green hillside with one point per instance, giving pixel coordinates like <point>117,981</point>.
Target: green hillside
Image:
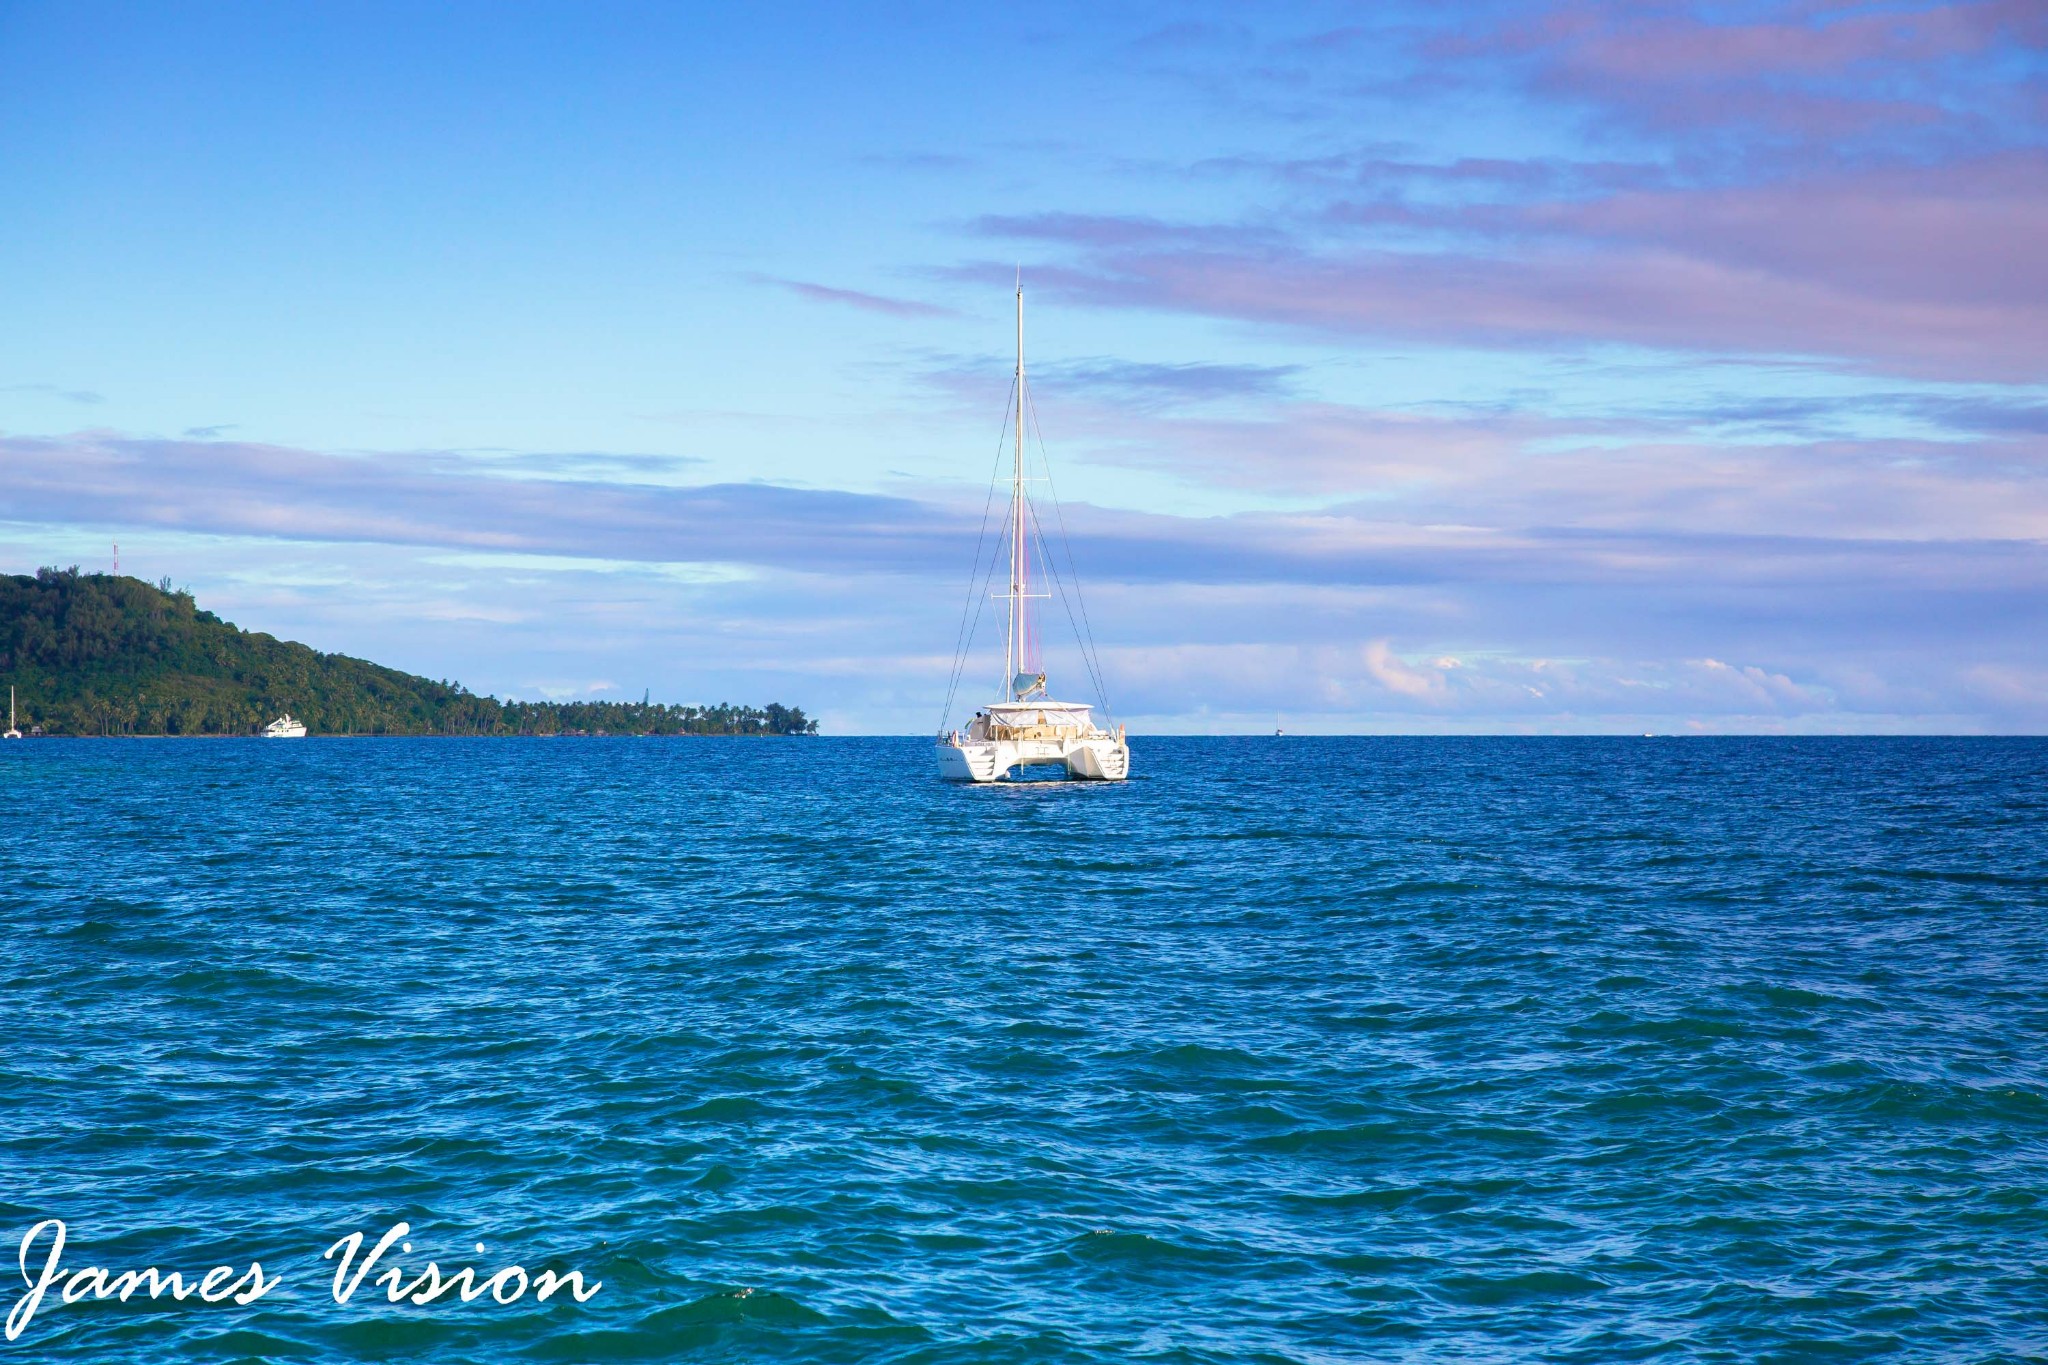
<point>93,654</point>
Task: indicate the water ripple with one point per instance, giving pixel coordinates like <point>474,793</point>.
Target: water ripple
<point>1289,1051</point>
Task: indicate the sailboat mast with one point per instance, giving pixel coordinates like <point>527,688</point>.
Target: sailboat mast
<point>1014,651</point>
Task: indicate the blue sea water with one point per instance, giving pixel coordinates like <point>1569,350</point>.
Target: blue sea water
<point>1290,1049</point>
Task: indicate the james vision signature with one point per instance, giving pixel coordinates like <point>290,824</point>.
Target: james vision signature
<point>222,1285</point>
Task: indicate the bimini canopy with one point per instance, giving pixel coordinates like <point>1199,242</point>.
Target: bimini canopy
<point>1063,715</point>
<point>1010,710</point>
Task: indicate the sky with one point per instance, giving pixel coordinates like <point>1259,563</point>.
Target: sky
<point>1571,367</point>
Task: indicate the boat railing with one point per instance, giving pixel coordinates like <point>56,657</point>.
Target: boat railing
<point>999,731</point>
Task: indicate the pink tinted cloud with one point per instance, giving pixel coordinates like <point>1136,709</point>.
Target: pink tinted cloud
<point>1649,295</point>
<point>1966,234</point>
<point>239,488</point>
<point>1769,224</point>
<point>1857,560</point>
<point>1671,473</point>
<point>1632,42</point>
<point>1971,221</point>
<point>1810,72</point>
<point>1451,500</point>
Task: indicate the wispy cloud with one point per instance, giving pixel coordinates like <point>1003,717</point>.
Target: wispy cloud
<point>855,298</point>
<point>1442,508</point>
<point>1116,383</point>
<point>1800,72</point>
<point>85,397</point>
<point>564,691</point>
<point>1187,382</point>
<point>243,488</point>
<point>583,466</point>
<point>1803,585</point>
<point>1861,184</point>
<point>1873,307</point>
<point>1111,231</point>
<point>934,162</point>
<point>1374,676</point>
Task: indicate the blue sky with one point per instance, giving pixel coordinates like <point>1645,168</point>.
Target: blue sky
<point>1548,367</point>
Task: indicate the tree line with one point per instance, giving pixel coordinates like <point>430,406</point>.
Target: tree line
<point>96,654</point>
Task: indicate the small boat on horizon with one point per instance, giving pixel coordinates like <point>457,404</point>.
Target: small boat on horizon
<point>284,727</point>
<point>12,733</point>
<point>1024,727</point>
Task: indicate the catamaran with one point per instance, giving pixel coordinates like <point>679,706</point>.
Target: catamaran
<point>12,733</point>
<point>1024,727</point>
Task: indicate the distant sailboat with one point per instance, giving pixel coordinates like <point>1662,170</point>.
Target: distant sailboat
<point>12,733</point>
<point>1025,727</point>
<point>284,727</point>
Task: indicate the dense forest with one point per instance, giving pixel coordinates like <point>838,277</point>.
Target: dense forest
<point>93,654</point>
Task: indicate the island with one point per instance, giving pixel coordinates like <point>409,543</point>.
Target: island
<point>97,654</point>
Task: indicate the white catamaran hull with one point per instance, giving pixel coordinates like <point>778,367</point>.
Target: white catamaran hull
<point>1099,760</point>
<point>1026,727</point>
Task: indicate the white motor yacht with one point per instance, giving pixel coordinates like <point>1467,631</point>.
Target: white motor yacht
<point>284,727</point>
<point>1024,727</point>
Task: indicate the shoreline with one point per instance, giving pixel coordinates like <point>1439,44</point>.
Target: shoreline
<point>561,735</point>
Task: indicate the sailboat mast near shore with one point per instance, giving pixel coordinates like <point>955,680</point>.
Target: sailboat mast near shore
<point>1025,727</point>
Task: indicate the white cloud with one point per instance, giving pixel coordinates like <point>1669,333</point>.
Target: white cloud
<point>1369,615</point>
<point>1400,677</point>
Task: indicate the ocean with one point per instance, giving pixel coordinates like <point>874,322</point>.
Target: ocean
<point>1288,1050</point>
